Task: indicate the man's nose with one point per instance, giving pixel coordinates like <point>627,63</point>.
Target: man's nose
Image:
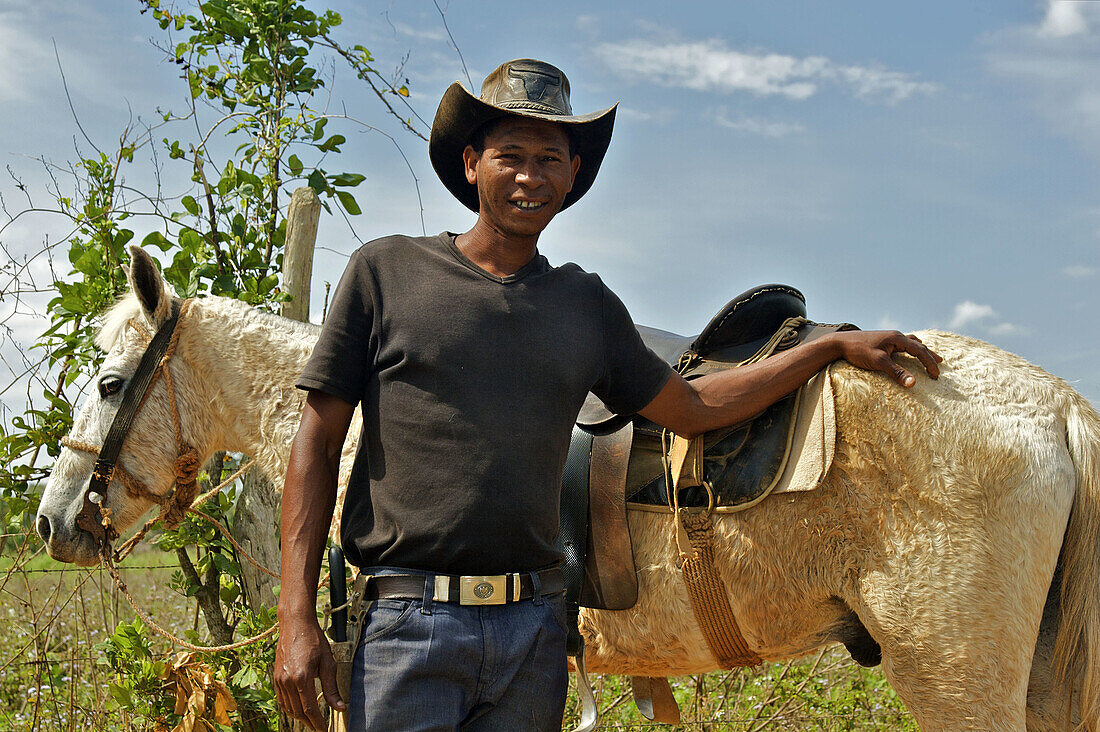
<point>530,174</point>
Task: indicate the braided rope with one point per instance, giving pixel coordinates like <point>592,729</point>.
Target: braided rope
<point>123,551</point>
<point>133,486</point>
<point>238,547</point>
<point>707,592</point>
<point>148,620</point>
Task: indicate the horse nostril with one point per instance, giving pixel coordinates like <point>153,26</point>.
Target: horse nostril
<point>43,526</point>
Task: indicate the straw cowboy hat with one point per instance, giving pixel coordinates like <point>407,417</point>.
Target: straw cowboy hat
<point>527,88</point>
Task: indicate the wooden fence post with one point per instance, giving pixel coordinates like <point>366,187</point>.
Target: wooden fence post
<point>256,524</point>
<point>301,236</point>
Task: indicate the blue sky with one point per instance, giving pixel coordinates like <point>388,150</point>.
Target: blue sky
<point>905,165</point>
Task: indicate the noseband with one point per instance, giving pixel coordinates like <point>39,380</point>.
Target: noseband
<point>92,517</point>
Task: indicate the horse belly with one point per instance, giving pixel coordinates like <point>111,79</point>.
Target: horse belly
<point>660,636</point>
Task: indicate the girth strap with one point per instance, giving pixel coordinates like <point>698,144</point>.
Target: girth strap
<point>707,592</point>
<point>695,542</point>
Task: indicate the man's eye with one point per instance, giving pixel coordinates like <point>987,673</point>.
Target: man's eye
<point>109,385</point>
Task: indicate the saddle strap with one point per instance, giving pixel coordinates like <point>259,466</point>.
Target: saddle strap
<point>695,541</point>
<point>707,592</point>
<point>654,699</point>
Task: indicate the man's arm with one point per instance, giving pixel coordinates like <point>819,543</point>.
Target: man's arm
<point>303,653</point>
<point>690,408</point>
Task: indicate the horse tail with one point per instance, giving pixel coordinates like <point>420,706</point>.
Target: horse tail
<point>1077,649</point>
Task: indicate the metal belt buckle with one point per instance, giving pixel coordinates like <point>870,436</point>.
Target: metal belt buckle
<point>483,589</point>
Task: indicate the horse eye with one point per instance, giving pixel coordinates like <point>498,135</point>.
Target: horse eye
<point>109,385</point>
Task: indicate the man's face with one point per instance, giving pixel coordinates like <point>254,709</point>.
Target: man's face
<point>522,175</point>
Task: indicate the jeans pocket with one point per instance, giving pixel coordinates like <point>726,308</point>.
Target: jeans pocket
<point>385,617</point>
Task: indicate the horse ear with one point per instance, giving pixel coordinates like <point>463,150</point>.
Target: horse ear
<point>147,283</point>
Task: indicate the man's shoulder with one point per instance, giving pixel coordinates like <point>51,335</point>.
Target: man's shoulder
<point>397,245</point>
<point>573,273</point>
<point>583,285</point>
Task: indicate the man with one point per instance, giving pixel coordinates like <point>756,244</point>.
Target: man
<point>471,356</point>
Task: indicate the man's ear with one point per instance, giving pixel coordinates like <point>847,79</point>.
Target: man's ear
<point>470,157</point>
<point>576,165</point>
<point>149,286</point>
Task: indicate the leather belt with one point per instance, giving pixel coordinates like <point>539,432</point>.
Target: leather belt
<point>478,589</point>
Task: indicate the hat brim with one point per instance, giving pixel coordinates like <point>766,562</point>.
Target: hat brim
<point>460,113</point>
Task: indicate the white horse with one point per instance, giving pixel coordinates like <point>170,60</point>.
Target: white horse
<point>948,508</point>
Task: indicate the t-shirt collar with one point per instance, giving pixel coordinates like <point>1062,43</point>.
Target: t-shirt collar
<point>537,265</point>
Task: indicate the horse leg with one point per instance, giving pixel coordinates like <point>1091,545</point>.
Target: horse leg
<point>955,666</point>
<point>1047,706</point>
<point>958,618</point>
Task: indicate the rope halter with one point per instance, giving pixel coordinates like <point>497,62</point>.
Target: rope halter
<point>93,516</point>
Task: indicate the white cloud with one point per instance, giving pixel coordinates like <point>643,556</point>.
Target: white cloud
<point>426,34</point>
<point>888,322</point>
<point>756,126</point>
<point>871,83</point>
<point>1064,18</point>
<point>1079,271</point>
<point>22,60</point>
<point>712,66</point>
<point>588,24</point>
<point>968,312</point>
<point>634,114</point>
<point>656,115</point>
<point>1054,62</point>
<point>970,315</point>
<point>1005,329</point>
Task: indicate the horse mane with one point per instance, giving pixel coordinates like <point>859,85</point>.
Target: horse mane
<point>128,308</point>
<point>115,321</point>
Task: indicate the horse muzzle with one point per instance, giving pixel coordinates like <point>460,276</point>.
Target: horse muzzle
<point>65,540</point>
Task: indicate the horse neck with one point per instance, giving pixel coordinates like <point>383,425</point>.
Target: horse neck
<point>244,365</point>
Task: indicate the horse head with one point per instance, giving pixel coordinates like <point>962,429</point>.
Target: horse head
<point>152,464</point>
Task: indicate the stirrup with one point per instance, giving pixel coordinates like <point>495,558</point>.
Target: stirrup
<point>590,715</point>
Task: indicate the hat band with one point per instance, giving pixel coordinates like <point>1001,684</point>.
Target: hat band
<point>534,107</point>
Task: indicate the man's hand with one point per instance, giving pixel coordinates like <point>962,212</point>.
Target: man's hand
<point>735,395</point>
<point>303,655</point>
<point>873,350</point>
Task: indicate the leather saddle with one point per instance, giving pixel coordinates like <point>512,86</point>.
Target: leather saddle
<point>613,458</point>
<point>616,458</point>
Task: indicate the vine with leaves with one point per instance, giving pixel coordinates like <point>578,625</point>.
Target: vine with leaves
<point>253,129</point>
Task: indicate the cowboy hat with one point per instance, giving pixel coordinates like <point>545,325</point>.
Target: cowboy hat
<point>527,88</point>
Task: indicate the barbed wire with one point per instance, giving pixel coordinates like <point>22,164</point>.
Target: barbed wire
<point>71,570</point>
<point>720,723</point>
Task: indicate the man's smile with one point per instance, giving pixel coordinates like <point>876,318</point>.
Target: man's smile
<point>528,205</point>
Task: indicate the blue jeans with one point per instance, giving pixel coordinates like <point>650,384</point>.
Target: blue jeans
<point>443,666</point>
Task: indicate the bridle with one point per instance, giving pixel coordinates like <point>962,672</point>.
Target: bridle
<point>93,516</point>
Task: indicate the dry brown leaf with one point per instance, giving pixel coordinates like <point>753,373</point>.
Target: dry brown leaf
<point>194,682</point>
<point>197,703</point>
<point>181,699</point>
<point>187,724</point>
<point>224,703</point>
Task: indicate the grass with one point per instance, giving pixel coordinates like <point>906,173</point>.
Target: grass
<point>824,692</point>
<point>52,616</point>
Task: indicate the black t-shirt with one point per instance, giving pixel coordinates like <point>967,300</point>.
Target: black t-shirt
<point>470,385</point>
